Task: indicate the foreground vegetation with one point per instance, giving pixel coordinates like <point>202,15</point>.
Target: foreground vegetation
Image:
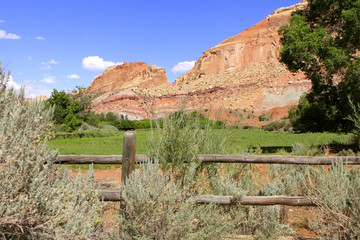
<point>40,202</point>
<point>36,200</point>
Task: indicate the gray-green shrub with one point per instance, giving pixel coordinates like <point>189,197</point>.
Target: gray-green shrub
<point>153,206</point>
<point>299,149</point>
<point>177,142</point>
<point>36,200</point>
<point>336,191</point>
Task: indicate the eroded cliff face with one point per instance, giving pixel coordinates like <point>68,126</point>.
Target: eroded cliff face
<point>127,76</point>
<point>257,44</point>
<point>242,73</point>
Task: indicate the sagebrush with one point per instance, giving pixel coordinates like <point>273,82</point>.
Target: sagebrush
<point>36,200</point>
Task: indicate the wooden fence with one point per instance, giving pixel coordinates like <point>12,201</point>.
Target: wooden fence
<point>129,159</point>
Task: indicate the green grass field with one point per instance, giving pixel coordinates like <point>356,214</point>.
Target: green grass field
<point>238,141</point>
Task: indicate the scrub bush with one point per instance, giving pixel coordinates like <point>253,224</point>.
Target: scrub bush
<point>153,206</point>
<point>336,191</point>
<point>36,200</point>
<point>177,141</point>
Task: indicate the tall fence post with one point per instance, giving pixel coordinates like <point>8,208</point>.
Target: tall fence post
<point>128,158</point>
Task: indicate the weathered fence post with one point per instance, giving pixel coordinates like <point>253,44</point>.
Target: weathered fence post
<point>129,152</point>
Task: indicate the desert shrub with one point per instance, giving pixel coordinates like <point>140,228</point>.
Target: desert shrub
<point>346,152</point>
<point>299,149</point>
<point>178,141</point>
<point>263,222</point>
<point>275,126</point>
<point>336,193</point>
<point>176,146</point>
<point>36,200</point>
<point>265,117</point>
<point>153,207</point>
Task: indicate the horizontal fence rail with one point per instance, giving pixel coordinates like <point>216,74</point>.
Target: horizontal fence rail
<point>215,158</point>
<point>128,166</point>
<point>115,195</point>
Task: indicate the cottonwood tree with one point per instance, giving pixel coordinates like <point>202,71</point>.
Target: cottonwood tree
<point>323,41</point>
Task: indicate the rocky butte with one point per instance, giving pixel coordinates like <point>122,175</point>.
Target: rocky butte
<point>240,74</point>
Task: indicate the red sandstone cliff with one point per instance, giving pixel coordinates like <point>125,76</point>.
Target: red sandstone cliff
<point>257,44</point>
<point>128,75</point>
<point>240,73</point>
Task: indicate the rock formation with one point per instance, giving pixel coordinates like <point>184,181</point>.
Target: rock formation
<point>257,44</point>
<point>240,74</point>
<point>127,76</point>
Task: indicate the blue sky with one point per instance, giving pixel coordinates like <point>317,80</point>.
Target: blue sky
<point>62,44</point>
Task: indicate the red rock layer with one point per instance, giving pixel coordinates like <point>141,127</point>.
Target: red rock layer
<point>128,75</point>
<point>241,74</point>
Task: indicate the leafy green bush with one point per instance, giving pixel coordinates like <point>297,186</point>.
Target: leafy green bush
<point>86,130</point>
<point>274,126</point>
<point>124,124</point>
<point>36,200</point>
<point>265,117</point>
<point>315,116</point>
<point>354,117</point>
<point>111,117</point>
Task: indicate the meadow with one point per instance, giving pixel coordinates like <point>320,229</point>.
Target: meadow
<point>238,141</point>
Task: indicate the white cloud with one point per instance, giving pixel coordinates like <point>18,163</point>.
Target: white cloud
<point>30,90</point>
<point>4,35</point>
<point>34,91</point>
<point>50,62</point>
<point>40,38</point>
<point>183,67</point>
<point>48,79</point>
<point>13,84</point>
<point>73,76</point>
<point>95,63</point>
<point>46,65</point>
<point>2,21</point>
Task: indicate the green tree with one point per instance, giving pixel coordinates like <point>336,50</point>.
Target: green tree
<point>323,41</point>
<point>65,107</point>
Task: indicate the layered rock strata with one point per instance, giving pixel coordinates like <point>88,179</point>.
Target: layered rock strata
<point>241,74</point>
<point>127,76</point>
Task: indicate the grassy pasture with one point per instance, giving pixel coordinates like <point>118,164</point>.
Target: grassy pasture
<point>238,140</point>
<point>270,142</point>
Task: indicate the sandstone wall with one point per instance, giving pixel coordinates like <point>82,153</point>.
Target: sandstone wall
<point>127,76</point>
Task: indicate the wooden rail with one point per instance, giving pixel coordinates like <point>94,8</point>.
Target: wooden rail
<point>214,158</point>
<point>115,195</point>
<point>129,158</point>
